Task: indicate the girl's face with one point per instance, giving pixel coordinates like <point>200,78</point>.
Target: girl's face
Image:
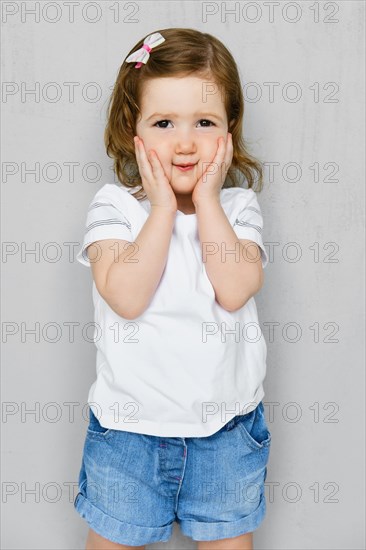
<point>182,119</point>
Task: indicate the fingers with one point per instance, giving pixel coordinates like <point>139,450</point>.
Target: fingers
<point>224,150</point>
<point>222,159</point>
<point>224,155</point>
<point>149,163</point>
<point>229,151</point>
<point>141,158</point>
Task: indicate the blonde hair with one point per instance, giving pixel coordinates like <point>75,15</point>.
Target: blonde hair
<point>202,55</point>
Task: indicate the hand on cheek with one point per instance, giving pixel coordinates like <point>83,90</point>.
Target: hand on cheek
<point>209,185</point>
<point>154,180</point>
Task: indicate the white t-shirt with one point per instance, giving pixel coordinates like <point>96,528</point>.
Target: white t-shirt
<point>185,366</point>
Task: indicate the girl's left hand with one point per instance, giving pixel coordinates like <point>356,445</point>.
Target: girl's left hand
<point>210,183</point>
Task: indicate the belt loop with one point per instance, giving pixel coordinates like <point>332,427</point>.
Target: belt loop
<point>231,424</point>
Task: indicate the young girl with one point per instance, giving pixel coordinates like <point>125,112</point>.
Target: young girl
<point>177,429</point>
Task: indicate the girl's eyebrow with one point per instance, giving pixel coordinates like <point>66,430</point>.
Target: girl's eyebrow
<point>165,115</point>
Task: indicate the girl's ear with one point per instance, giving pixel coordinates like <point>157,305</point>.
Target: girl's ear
<point>231,122</point>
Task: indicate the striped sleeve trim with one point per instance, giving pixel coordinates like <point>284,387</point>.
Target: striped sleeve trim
<point>104,221</point>
<point>109,221</point>
<point>249,225</point>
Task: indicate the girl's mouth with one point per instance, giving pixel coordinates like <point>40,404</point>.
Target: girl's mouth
<point>185,168</point>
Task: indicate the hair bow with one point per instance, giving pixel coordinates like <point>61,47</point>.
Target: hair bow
<point>142,54</point>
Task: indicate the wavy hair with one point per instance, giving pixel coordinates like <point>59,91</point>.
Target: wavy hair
<point>203,55</point>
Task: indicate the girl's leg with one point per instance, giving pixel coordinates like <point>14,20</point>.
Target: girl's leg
<point>96,542</point>
<point>244,542</point>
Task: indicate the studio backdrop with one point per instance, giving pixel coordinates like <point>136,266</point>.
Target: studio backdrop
<point>302,70</point>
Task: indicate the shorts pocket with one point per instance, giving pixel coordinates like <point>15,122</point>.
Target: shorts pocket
<point>254,429</point>
<point>96,431</point>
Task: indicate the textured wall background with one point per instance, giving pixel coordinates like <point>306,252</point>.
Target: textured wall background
<point>302,65</point>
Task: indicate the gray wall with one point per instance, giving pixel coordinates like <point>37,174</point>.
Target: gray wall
<point>313,209</point>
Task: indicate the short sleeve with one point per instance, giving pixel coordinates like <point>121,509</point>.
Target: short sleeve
<point>104,220</point>
<point>248,222</point>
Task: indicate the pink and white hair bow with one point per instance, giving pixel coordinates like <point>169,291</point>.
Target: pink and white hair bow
<point>142,54</point>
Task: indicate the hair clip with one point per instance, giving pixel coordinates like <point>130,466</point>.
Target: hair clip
<point>142,54</point>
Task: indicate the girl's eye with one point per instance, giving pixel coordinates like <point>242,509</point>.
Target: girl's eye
<point>203,119</point>
<point>159,122</point>
<point>209,121</point>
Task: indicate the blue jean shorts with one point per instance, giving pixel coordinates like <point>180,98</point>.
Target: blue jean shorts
<point>133,487</point>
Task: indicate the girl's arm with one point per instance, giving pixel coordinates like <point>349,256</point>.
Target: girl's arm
<point>234,268</point>
<point>128,280</point>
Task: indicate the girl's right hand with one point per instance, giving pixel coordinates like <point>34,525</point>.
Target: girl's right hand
<point>155,183</point>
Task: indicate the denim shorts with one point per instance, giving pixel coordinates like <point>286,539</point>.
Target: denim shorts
<point>133,487</point>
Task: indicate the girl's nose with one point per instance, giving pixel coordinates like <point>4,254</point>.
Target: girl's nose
<point>185,144</point>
